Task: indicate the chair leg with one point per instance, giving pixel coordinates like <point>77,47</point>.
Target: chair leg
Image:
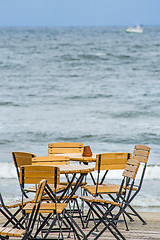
<point>80,215</point>
<point>75,227</point>
<point>137,214</point>
<point>103,218</point>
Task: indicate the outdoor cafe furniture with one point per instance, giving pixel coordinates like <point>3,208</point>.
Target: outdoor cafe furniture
<point>123,195</point>
<point>102,207</point>
<point>19,159</point>
<point>71,149</point>
<point>55,160</point>
<point>65,147</point>
<point>78,171</point>
<point>18,229</point>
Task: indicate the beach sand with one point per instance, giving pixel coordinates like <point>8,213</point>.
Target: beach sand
<point>137,231</point>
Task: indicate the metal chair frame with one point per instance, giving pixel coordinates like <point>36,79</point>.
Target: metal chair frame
<point>29,219</point>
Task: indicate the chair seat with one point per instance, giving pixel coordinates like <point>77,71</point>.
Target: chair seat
<point>102,189</point>
<point>17,203</point>
<point>98,200</point>
<point>46,207</point>
<point>14,232</point>
<point>59,187</point>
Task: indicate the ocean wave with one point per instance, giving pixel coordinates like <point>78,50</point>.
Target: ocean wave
<point>152,173</point>
<point>7,170</point>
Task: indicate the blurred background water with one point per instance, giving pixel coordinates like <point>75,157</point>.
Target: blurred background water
<point>95,85</point>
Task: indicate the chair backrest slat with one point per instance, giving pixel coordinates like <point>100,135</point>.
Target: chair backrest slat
<point>65,147</point>
<point>141,153</point>
<point>110,161</point>
<point>22,158</point>
<point>34,174</point>
<point>51,160</point>
<point>142,147</point>
<point>131,168</point>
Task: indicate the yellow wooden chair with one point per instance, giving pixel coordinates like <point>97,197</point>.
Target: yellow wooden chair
<point>13,209</point>
<point>106,161</point>
<point>10,210</point>
<point>140,154</point>
<point>65,147</point>
<point>54,210</point>
<point>18,230</point>
<point>19,159</point>
<point>103,208</point>
<point>32,174</point>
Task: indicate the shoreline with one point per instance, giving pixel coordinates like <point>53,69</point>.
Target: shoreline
<point>137,231</point>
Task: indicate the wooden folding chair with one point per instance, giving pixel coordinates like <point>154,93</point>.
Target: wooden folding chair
<point>18,230</point>
<point>104,162</point>
<point>65,147</point>
<point>19,158</point>
<point>140,154</point>
<point>32,174</point>
<point>22,158</point>
<point>10,210</point>
<point>107,161</point>
<point>103,208</point>
<point>54,210</point>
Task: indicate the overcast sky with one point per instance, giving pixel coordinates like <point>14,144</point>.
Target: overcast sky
<point>79,12</point>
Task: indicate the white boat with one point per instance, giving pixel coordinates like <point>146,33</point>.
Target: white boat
<point>137,29</point>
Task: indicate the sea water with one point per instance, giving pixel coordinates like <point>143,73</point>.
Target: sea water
<point>95,85</point>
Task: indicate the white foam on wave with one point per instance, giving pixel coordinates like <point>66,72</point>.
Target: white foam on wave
<point>145,202</point>
<point>152,172</point>
<point>7,170</point>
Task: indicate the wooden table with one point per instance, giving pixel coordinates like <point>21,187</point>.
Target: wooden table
<point>75,168</point>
